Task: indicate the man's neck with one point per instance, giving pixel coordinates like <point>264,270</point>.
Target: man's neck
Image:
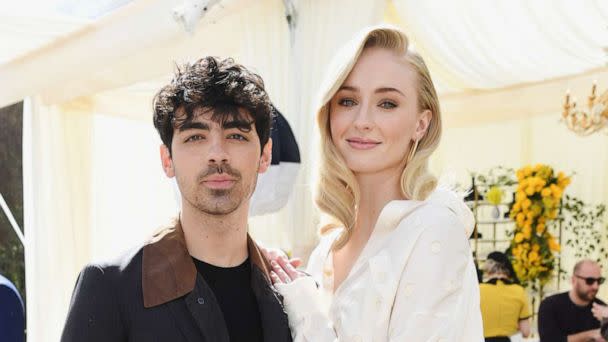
<point>576,300</point>
<point>219,240</point>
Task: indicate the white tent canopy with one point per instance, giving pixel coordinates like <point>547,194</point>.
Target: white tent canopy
<point>93,186</point>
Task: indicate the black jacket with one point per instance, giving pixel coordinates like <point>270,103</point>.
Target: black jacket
<point>156,294</point>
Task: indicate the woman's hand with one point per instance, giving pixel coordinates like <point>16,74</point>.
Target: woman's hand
<point>283,271</point>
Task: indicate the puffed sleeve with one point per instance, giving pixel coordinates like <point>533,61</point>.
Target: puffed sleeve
<point>303,301</point>
<point>307,320</point>
<point>438,294</point>
<point>525,308</point>
<point>94,314</point>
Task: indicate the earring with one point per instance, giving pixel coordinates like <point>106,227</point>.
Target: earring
<point>412,152</point>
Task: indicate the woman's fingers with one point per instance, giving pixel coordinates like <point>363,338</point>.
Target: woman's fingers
<point>275,278</point>
<point>278,269</point>
<point>288,268</point>
<point>274,254</point>
<point>265,252</point>
<point>295,262</point>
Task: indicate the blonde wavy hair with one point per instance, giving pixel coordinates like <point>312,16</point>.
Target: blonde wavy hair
<point>337,192</point>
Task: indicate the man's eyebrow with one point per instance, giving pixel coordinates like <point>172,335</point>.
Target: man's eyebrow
<point>242,125</point>
<point>193,125</point>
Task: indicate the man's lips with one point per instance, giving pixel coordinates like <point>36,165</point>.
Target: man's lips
<point>362,144</point>
<point>219,182</point>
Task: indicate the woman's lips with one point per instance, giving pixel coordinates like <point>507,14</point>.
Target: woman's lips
<point>362,144</point>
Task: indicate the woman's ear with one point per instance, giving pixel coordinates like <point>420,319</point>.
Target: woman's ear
<point>423,123</point>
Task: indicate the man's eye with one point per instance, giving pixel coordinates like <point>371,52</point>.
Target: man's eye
<point>237,136</point>
<point>347,102</point>
<point>196,137</point>
<point>387,105</point>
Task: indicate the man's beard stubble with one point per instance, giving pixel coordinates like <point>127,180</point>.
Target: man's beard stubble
<point>222,201</point>
<point>586,295</point>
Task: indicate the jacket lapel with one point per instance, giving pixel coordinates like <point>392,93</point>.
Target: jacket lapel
<point>390,217</point>
<point>169,277</point>
<point>274,319</point>
<point>206,312</point>
<point>184,320</point>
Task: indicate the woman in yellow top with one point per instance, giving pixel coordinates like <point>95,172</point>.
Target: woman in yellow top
<point>504,303</point>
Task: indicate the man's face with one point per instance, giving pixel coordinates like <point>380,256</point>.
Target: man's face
<point>583,290</point>
<point>215,164</point>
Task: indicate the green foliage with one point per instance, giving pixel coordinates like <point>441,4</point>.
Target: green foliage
<point>12,263</point>
<point>499,176</point>
<point>587,223</point>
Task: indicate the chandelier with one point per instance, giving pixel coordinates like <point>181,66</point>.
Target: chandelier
<point>585,122</point>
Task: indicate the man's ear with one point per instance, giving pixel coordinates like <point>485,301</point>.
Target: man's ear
<point>167,161</point>
<point>422,126</point>
<point>266,157</point>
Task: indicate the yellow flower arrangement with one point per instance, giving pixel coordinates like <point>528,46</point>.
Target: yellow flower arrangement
<point>537,200</point>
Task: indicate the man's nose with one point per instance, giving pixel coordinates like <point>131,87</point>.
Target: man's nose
<point>217,152</point>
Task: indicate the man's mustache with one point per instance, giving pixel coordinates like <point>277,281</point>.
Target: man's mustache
<point>219,169</point>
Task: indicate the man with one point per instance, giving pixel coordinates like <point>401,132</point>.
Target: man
<point>12,318</point>
<point>203,278</point>
<point>569,316</point>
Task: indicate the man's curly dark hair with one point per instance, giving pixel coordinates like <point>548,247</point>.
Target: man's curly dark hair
<point>219,84</point>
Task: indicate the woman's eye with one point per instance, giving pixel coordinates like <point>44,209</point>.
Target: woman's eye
<point>347,102</point>
<point>388,105</point>
<point>237,136</point>
<point>196,137</point>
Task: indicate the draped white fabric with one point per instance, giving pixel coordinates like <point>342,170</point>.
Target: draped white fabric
<point>57,212</point>
<point>476,44</point>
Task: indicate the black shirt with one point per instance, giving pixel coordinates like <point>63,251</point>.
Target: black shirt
<point>559,317</point>
<point>232,289</point>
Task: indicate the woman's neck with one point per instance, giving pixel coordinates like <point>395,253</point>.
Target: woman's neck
<point>375,192</point>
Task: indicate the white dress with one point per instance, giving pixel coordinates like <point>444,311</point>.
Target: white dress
<point>415,280</point>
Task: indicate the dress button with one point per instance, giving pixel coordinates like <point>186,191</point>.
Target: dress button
<point>408,290</point>
<point>200,300</point>
<point>436,247</point>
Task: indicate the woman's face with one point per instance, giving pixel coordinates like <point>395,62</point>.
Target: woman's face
<point>374,115</point>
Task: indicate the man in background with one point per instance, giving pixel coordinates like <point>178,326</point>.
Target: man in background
<point>12,318</point>
<point>569,316</point>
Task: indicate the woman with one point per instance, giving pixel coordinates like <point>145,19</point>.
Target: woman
<point>397,265</point>
<point>504,303</point>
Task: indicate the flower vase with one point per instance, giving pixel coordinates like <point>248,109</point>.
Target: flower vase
<point>496,212</point>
